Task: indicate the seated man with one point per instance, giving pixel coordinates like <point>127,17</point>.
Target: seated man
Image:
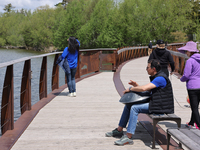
<point>161,102</point>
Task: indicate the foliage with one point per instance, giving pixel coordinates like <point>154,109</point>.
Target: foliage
<point>2,42</point>
<point>195,16</point>
<point>72,21</point>
<point>100,23</point>
<point>8,8</point>
<point>179,36</point>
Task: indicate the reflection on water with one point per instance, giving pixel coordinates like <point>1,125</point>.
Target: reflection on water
<point>13,54</point>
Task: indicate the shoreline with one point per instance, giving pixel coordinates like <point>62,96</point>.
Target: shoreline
<point>49,49</point>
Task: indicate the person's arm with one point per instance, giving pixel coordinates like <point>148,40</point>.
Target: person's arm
<point>78,42</point>
<point>157,82</point>
<point>187,71</point>
<point>65,52</point>
<point>142,88</point>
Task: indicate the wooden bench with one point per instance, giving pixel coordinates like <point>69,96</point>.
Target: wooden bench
<point>188,137</point>
<point>161,117</point>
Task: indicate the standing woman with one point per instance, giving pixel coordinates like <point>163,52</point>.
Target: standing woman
<point>71,54</point>
<point>192,78</point>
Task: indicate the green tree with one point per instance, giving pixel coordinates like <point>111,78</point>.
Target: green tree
<point>8,8</point>
<point>4,27</point>
<point>69,25</point>
<point>41,23</point>
<point>14,37</point>
<point>100,23</point>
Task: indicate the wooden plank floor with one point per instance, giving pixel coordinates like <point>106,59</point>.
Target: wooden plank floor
<point>80,123</point>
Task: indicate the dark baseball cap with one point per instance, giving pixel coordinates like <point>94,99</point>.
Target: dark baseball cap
<point>160,42</point>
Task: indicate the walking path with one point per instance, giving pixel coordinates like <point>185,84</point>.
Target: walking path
<point>69,123</point>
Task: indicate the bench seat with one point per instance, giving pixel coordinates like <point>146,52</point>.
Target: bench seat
<point>190,138</point>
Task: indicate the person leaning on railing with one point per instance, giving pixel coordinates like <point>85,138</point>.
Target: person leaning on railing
<point>161,102</point>
<point>191,76</point>
<point>164,56</point>
<point>71,54</point>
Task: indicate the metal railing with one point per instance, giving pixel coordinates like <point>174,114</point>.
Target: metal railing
<point>90,61</point>
<point>178,57</point>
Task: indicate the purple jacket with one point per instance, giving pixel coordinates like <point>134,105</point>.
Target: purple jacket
<point>192,72</point>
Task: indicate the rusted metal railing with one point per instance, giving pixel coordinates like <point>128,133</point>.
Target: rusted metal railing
<point>90,61</point>
<point>178,57</point>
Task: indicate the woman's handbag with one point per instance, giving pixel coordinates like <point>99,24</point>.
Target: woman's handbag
<point>135,97</point>
<point>63,63</point>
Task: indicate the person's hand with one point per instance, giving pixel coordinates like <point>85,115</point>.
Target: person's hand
<point>133,83</point>
<point>67,39</point>
<point>179,76</point>
<point>126,91</point>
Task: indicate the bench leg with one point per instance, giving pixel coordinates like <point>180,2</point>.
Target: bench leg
<point>179,126</point>
<point>168,140</point>
<point>178,123</point>
<point>154,133</point>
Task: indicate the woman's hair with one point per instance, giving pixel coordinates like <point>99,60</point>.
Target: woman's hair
<point>155,64</point>
<point>73,45</point>
<point>191,53</point>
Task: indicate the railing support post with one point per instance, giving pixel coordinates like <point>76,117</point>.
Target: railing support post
<point>78,72</point>
<point>7,106</point>
<point>55,74</point>
<point>25,96</point>
<point>43,79</point>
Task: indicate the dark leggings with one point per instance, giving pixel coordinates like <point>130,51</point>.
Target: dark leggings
<point>194,96</point>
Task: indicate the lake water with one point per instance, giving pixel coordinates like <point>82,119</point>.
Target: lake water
<point>7,55</point>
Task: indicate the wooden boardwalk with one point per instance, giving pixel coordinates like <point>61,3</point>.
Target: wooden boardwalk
<point>80,123</point>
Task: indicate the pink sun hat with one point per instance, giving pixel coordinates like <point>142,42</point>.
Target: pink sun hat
<point>190,47</point>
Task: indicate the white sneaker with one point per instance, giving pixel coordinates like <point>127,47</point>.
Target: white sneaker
<point>70,94</point>
<point>74,94</point>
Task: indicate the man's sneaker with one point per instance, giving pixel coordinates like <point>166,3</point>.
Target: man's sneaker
<point>123,141</point>
<point>114,133</point>
<point>74,94</point>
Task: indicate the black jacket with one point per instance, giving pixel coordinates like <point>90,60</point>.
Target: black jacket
<point>150,45</point>
<point>164,57</point>
<point>162,100</point>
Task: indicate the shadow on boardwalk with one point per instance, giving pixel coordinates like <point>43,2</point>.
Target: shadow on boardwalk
<point>69,123</point>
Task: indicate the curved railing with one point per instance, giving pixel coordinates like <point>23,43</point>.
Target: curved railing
<point>178,57</point>
<point>90,61</point>
<point>127,53</point>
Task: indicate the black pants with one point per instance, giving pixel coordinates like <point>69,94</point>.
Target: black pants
<point>194,96</point>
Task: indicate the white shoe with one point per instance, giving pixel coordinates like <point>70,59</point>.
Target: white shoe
<point>74,94</point>
<point>70,94</point>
